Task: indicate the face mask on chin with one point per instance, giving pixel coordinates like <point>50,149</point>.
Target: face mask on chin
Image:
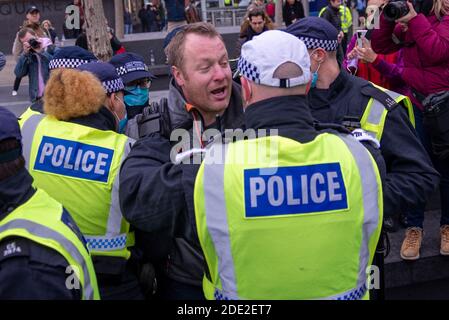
<point>315,74</point>
<point>121,122</point>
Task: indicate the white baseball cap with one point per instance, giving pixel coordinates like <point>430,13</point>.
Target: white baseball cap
<point>261,57</point>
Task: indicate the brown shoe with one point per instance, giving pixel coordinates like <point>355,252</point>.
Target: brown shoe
<point>444,247</point>
<point>412,244</point>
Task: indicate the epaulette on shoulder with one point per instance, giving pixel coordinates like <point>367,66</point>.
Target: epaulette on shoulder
<point>379,95</point>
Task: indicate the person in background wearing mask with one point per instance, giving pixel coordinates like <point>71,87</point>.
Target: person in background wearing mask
<point>74,153</point>
<point>134,72</point>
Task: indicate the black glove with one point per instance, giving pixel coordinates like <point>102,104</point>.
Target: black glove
<point>155,119</point>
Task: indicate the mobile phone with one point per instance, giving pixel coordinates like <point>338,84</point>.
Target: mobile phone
<point>360,35</point>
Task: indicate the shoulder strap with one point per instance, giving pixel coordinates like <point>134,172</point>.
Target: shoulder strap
<point>384,98</point>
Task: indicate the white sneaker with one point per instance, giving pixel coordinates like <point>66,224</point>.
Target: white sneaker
<point>14,93</point>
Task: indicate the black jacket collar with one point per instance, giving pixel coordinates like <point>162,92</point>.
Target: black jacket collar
<point>320,98</point>
<point>15,191</point>
<point>289,114</point>
<point>102,120</point>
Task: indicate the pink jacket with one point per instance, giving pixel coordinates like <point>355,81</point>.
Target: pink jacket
<point>425,51</point>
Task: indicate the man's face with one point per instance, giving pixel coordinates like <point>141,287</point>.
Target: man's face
<point>257,23</point>
<point>205,77</point>
<point>291,2</point>
<point>34,16</point>
<point>335,3</point>
<point>26,39</point>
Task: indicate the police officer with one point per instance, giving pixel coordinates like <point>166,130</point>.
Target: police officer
<point>270,222</point>
<point>338,97</point>
<point>157,196</point>
<point>65,58</point>
<point>42,252</point>
<point>134,72</point>
<point>75,154</point>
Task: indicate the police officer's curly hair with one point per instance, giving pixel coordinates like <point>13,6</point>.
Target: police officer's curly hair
<point>72,93</point>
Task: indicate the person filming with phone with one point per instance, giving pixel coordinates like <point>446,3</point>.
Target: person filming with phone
<point>421,29</point>
<point>34,60</point>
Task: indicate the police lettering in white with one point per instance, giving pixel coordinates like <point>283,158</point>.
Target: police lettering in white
<point>85,161</point>
<point>280,192</point>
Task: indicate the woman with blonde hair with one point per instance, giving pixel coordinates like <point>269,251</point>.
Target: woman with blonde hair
<point>49,30</point>
<point>423,36</point>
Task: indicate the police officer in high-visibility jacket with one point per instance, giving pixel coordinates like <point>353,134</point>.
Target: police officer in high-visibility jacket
<point>290,213</point>
<point>65,58</point>
<point>346,23</point>
<point>338,97</point>
<point>42,252</point>
<point>74,153</point>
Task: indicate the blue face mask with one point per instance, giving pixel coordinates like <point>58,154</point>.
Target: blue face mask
<point>136,96</point>
<point>315,77</point>
<point>314,74</point>
<point>122,124</point>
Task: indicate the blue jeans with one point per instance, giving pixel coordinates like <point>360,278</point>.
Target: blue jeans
<point>415,217</point>
<point>128,28</point>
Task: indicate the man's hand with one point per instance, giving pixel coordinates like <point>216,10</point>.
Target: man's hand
<point>410,15</point>
<point>26,48</point>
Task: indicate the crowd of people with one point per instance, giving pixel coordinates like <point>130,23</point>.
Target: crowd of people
<point>234,186</point>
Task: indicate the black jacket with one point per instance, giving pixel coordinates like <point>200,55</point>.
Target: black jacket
<point>35,272</point>
<point>332,15</point>
<point>292,12</point>
<point>156,196</point>
<point>411,177</point>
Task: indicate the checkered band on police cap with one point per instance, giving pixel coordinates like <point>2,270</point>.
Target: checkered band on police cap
<point>66,63</point>
<point>131,67</point>
<point>316,32</point>
<point>313,43</point>
<point>112,86</point>
<point>264,54</point>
